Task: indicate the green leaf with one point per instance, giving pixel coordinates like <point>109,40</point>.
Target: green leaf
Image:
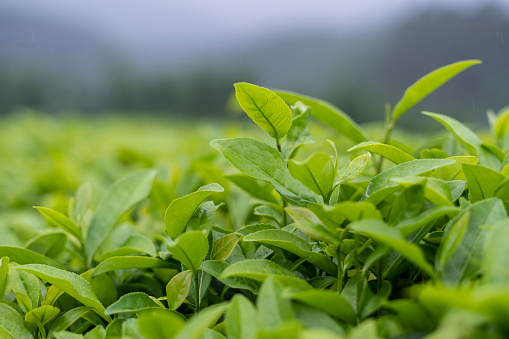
<point>409,226</point>
<point>160,324</point>
<point>12,325</point>
<point>309,223</point>
<point>365,330</point>
<point>190,248</point>
<point>502,123</point>
<point>327,114</point>
<point>60,220</point>
<point>427,84</point>
<point>132,303</point>
<point>23,256</point>
<point>127,262</point>
<point>273,309</point>
<point>259,270</point>
<point>40,316</point>
<point>354,169</point>
<point>207,318</point>
<point>224,246</point>
<point>334,216</point>
<point>454,171</point>
<point>329,302</point>
<point>411,168</point>
<point>392,238</point>
<point>298,134</point>
<point>179,212</point>
<point>130,329</point>
<point>4,275</point>
<point>69,282</point>
<point>460,252</point>
<point>97,333</point>
<point>68,335</point>
<point>178,288</point>
<point>389,152</point>
<point>204,217</point>
<point>316,173</point>
<point>114,329</point>
<point>269,211</point>
<point>265,108</point>
<point>254,228</point>
<point>125,193</point>
<point>67,319</point>
<point>464,134</point>
<point>494,266</point>
<point>263,162</point>
<point>49,244</point>
<point>435,190</point>
<point>241,319</point>
<point>215,268</point>
<point>26,288</point>
<point>294,244</point>
<point>408,204</point>
<point>257,189</point>
<point>482,181</point>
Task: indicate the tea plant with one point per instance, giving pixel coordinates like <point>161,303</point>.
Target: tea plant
<point>396,243</point>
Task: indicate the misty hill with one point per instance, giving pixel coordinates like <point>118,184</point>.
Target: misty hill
<point>54,67</point>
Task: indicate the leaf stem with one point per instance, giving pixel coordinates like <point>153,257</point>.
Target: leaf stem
<point>389,127</point>
<point>278,146</point>
<point>339,281</point>
<point>196,292</point>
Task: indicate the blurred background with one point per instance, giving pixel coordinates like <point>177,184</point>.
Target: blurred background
<point>182,57</point>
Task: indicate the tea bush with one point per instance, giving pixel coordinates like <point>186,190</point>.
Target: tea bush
<point>267,237</point>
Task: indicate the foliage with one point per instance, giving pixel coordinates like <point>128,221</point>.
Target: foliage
<point>303,243</point>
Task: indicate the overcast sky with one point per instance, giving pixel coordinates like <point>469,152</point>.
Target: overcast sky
<point>155,25</point>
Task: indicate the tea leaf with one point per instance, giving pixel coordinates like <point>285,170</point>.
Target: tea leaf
<point>260,270</point>
<point>410,168</point>
<point>126,262</point>
<point>428,84</point>
<point>241,319</point>
<point>390,237</point>
<point>329,302</point>
<point>40,316</point>
<point>258,189</point>
<point>460,252</point>
<point>69,282</point>
<point>180,211</point>
<point>60,220</point>
<point>125,193</point>
<point>132,303</point>
<point>389,152</point>
<point>298,134</point>
<point>160,324</point>
<point>67,319</point>
<point>201,321</point>
<point>224,246</point>
<point>178,288</point>
<point>482,181</point>
<point>273,309</point>
<point>316,173</point>
<point>354,169</point>
<point>464,134</point>
<point>328,114</point>
<point>23,256</point>
<point>265,108</point>
<point>12,325</point>
<point>294,244</point>
<point>263,162</point>
<point>215,268</point>
<point>26,288</point>
<point>190,249</point>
